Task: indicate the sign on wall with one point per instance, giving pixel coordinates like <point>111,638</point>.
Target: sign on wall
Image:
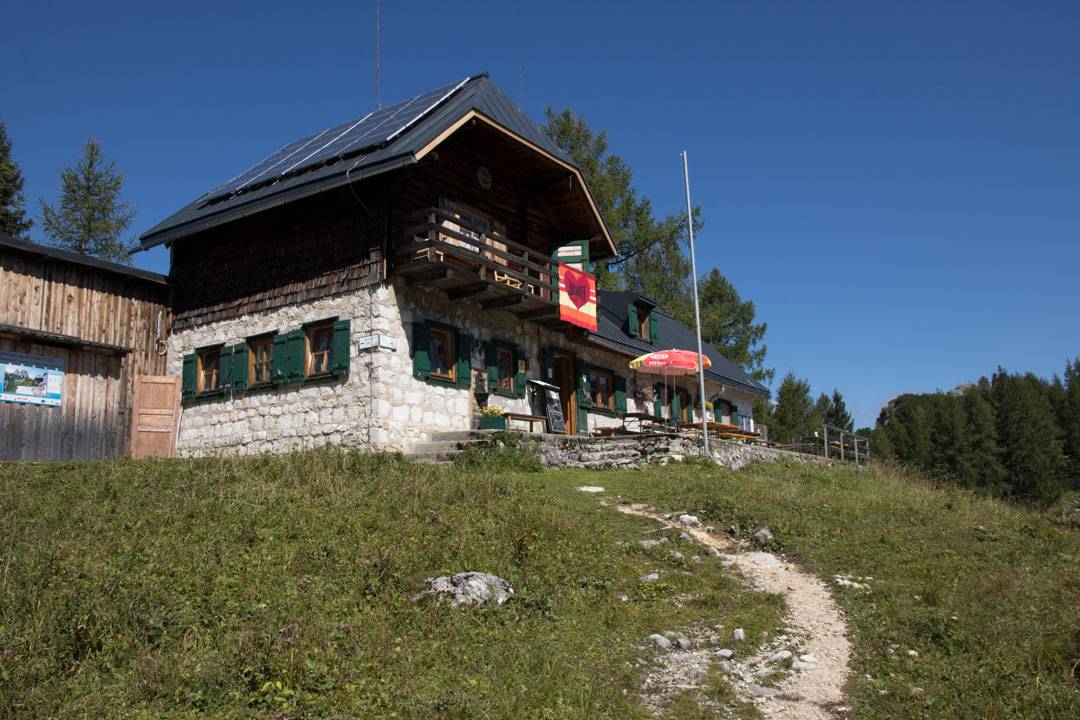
<point>577,297</point>
<point>31,379</point>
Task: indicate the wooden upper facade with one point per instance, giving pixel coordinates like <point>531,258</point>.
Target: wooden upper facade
<point>473,207</point>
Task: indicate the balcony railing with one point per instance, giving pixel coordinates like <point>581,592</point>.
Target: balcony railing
<point>460,256</point>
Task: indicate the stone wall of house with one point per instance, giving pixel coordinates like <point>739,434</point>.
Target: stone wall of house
<point>379,405</point>
<point>347,410</point>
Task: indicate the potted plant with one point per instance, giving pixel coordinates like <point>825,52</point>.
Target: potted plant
<point>491,418</point>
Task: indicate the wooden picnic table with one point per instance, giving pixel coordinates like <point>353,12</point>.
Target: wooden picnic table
<point>525,417</point>
<point>642,418</point>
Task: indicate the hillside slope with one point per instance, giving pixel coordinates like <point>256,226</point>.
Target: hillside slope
<point>281,587</point>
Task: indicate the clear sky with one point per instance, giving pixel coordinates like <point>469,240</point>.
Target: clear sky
<point>895,185</point>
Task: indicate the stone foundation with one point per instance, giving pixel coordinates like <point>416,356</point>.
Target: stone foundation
<point>637,450</point>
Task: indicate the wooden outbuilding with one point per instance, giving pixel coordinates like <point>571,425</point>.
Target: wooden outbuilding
<point>80,338</point>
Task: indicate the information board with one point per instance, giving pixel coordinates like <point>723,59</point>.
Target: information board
<point>556,423</point>
<point>31,379</point>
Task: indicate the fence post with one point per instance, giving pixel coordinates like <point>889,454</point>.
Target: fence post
<point>825,437</point>
<point>841,446</point>
<point>856,449</point>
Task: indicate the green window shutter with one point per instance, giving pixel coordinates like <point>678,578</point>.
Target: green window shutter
<point>691,403</point>
<point>279,371</point>
<point>225,368</point>
<point>620,394</point>
<point>633,322</point>
<point>519,377</point>
<point>735,417</point>
<point>548,373</point>
<point>717,413</point>
<point>240,366</point>
<point>676,406</point>
<point>340,347</point>
<point>654,332</point>
<point>583,422</point>
<point>491,360</point>
<point>464,360</point>
<point>187,377</point>
<point>584,391</point>
<point>421,348</point>
<point>658,406</point>
<point>294,356</point>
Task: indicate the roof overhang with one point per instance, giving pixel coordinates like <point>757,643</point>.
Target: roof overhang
<point>573,170</point>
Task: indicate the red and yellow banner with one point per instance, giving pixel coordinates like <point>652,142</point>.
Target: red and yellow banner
<point>577,297</point>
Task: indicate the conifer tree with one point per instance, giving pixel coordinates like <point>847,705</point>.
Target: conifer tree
<point>794,416</point>
<point>837,413</point>
<point>1070,420</point>
<point>91,217</point>
<point>13,220</point>
<point>1029,436</point>
<point>981,454</point>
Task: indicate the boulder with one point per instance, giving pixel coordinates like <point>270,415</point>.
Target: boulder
<point>691,520</point>
<point>468,588</point>
<point>660,641</point>
<point>763,537</point>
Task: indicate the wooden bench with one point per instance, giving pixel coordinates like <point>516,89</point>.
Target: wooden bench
<point>525,417</point>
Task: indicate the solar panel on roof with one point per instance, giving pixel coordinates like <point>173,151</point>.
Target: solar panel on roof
<point>351,137</point>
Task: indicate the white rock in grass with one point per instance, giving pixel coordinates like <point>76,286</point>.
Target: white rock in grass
<point>650,578</point>
<point>739,634</point>
<point>695,559</point>
<point>660,641</point>
<point>761,691</point>
<point>676,555</point>
<point>687,519</point>
<point>590,489</point>
<point>763,536</point>
<point>713,552</point>
<point>683,644</point>
<point>726,653</point>
<point>468,588</point>
<point>780,656</point>
<point>650,544</point>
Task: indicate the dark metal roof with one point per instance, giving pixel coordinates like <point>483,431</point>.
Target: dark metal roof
<point>86,260</point>
<point>612,330</point>
<point>373,144</point>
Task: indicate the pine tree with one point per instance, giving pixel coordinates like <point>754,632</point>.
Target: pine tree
<point>981,454</point>
<point>1029,437</point>
<point>794,416</point>
<point>728,324</point>
<point>836,412</point>
<point>1070,420</point>
<point>91,216</point>
<point>13,220</point>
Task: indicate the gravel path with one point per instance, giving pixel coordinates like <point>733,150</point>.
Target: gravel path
<point>813,693</point>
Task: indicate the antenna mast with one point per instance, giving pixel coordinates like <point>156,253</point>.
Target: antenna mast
<point>378,48</point>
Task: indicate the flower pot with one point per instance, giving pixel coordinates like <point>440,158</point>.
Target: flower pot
<point>492,422</point>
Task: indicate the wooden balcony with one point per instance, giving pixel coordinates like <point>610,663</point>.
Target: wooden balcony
<point>463,259</point>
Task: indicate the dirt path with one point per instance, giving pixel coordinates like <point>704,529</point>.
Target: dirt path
<point>812,693</point>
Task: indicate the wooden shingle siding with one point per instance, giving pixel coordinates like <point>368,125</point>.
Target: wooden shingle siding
<point>324,245</point>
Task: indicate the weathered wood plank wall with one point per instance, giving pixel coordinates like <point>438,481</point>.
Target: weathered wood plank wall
<point>42,293</point>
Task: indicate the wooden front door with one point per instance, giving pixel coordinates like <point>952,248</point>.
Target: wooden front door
<point>564,378</point>
<point>154,416</point>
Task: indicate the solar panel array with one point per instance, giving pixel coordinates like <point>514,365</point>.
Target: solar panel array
<point>334,143</point>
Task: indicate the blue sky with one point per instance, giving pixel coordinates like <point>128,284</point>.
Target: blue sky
<point>895,185</point>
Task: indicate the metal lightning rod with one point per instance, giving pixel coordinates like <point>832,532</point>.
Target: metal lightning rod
<point>378,49</point>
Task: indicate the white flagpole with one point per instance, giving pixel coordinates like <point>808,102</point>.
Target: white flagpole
<point>697,308</point>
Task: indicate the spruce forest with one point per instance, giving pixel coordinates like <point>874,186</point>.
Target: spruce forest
<point>1013,435</point>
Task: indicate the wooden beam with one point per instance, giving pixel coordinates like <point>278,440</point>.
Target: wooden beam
<point>467,290</point>
<point>538,313</point>
<point>427,275</point>
<point>502,302</point>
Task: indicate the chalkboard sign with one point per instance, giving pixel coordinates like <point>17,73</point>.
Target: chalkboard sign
<point>556,424</point>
